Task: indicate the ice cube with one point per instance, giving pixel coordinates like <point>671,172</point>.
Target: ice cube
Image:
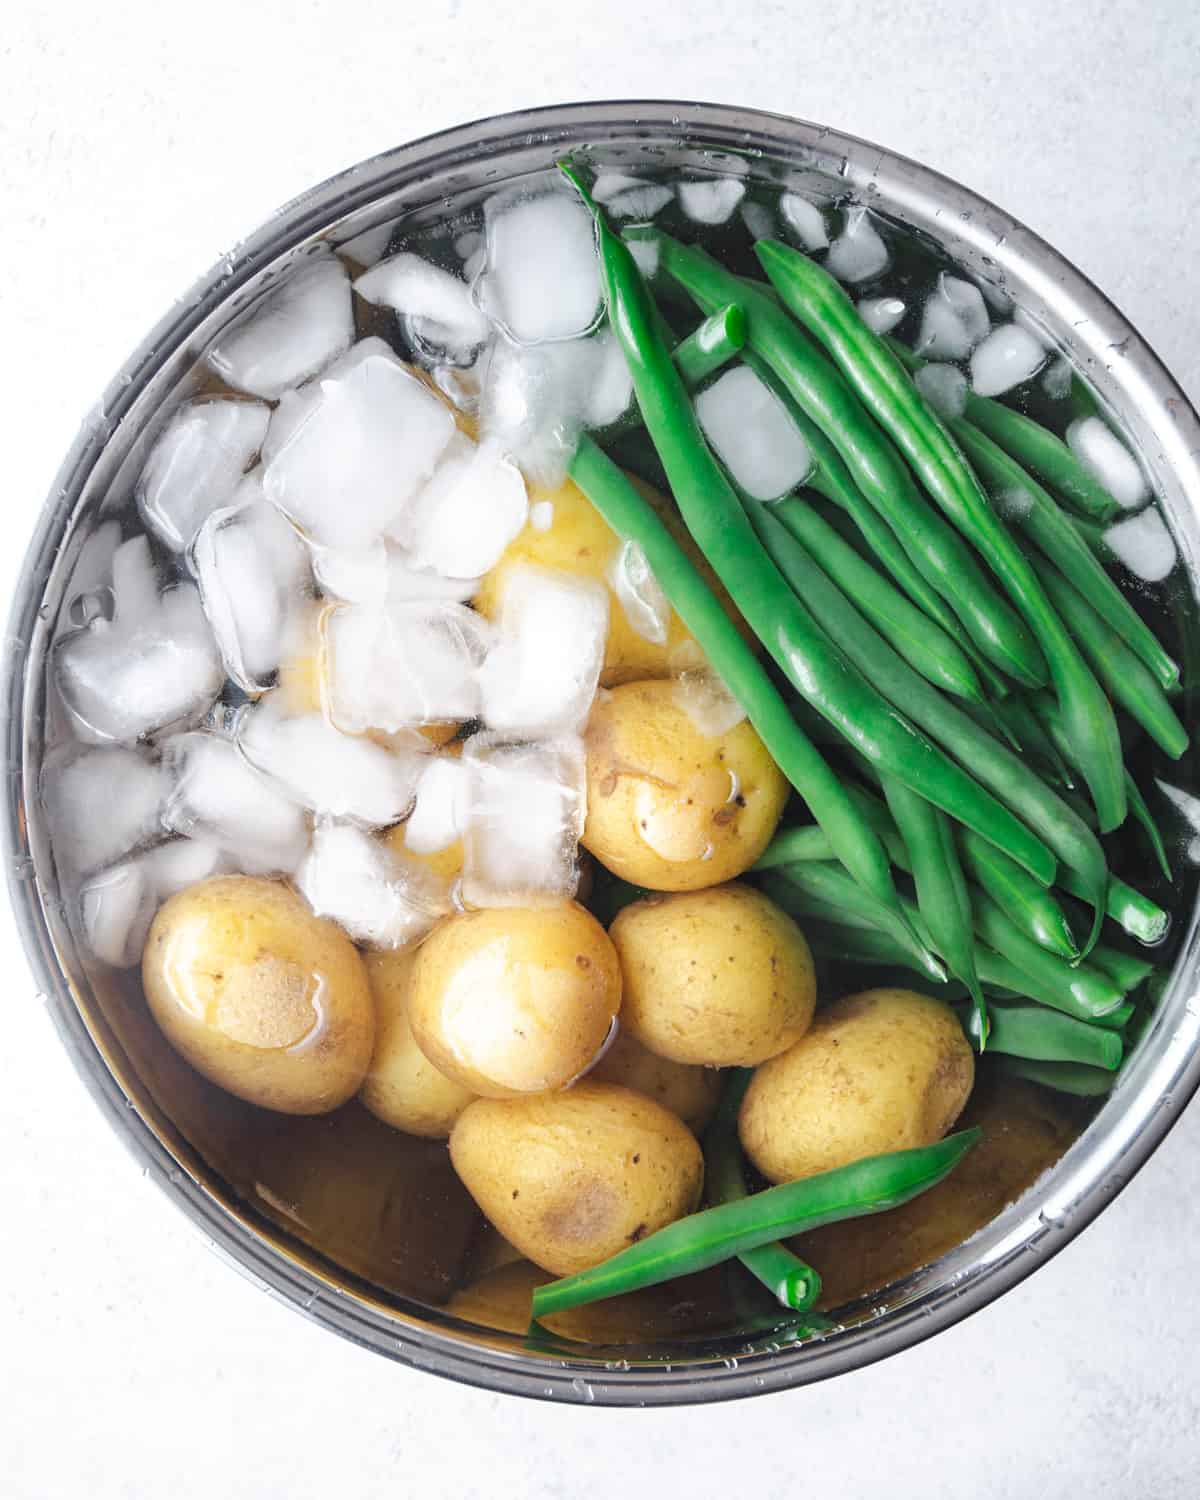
<point>252,569</point>
<point>805,220</point>
<point>1144,545</point>
<point>116,909</point>
<point>466,244</point>
<point>759,221</point>
<point>541,515</point>
<point>1030,324</point>
<point>640,203</point>
<point>439,304</point>
<point>1108,460</point>
<point>525,812</point>
<point>296,330</point>
<point>542,277</point>
<point>753,435</point>
<point>102,804</point>
<point>180,863</point>
<point>87,596</point>
<point>356,575</point>
<point>196,464</point>
<point>611,385</point>
<point>643,603</point>
<point>410,583</point>
<point>954,320</point>
<point>346,453</point>
<point>1056,379</point>
<point>439,816</point>
<point>944,387</point>
<point>707,701</point>
<point>369,246</point>
<point>533,404</point>
<point>540,677</point>
<point>218,796</point>
<point>340,775</point>
<point>712,200</point>
<point>470,510</point>
<point>397,666</point>
<point>858,253</point>
<point>881,314</point>
<point>646,253</point>
<point>609,185</point>
<point>152,665</point>
<point>378,896</point>
<point>1009,356</point>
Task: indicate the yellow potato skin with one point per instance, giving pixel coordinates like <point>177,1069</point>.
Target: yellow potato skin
<point>580,541</point>
<point>513,1000</point>
<point>402,1087</point>
<point>573,1177</point>
<point>690,1092</point>
<point>719,977</point>
<point>883,1070</point>
<point>670,808</point>
<point>259,995</point>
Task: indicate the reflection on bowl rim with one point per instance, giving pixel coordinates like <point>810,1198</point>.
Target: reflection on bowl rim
<point>1158,1081</point>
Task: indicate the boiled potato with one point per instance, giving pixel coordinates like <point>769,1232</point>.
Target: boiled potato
<point>669,807</point>
<point>514,1001</point>
<point>720,977</point>
<point>573,1177</point>
<point>402,1087</point>
<point>260,995</point>
<point>578,540</point>
<point>689,1092</point>
<point>884,1070</point>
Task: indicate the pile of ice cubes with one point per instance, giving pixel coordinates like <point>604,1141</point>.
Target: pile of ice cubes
<point>324,522</point>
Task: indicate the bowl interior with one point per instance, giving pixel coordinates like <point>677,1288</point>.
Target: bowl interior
<point>369,1231</point>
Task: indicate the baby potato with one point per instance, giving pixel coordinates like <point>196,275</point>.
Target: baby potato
<point>884,1070</point>
<point>261,996</point>
<point>578,540</point>
<point>687,1091</point>
<point>402,1087</point>
<point>668,807</point>
<point>512,1000</point>
<point>720,977</point>
<point>573,1177</point>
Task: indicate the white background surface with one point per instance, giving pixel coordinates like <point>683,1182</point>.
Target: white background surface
<point>138,141</point>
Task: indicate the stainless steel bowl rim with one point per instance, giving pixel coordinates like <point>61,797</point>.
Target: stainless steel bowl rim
<point>1160,1079</point>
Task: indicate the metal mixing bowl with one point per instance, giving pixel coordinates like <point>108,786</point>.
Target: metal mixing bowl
<point>92,1009</point>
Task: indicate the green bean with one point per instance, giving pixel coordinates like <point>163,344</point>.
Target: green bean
<point>829,885</point>
<point>1126,970</point>
<point>1047,710</point>
<point>793,846</point>
<point>932,544</point>
<point>882,384</point>
<point>1030,508</point>
<point>717,340</point>
<point>1124,675</point>
<point>1031,445</point>
<point>1093,534</point>
<point>1032,909</point>
<point>1084,990</point>
<point>1024,726</point>
<point>869,1186</point>
<point>631,516</point>
<point>792,1281</point>
<point>1042,1035</point>
<point>720,528</point>
<point>992,763</point>
<point>1117,1020</point>
<point>1140,917</point>
<point>1067,1078</point>
<point>1142,815</point>
<point>922,643</point>
<point>942,897</point>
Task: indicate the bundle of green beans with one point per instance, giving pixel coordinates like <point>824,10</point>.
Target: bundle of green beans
<point>963,675</point>
<point>968,653</point>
